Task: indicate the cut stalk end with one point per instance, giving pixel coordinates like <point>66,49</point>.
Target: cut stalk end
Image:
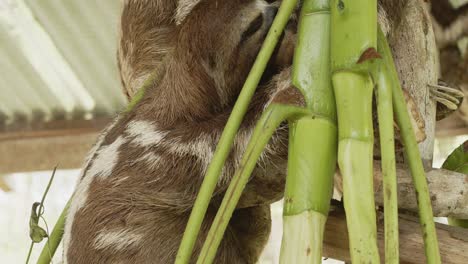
<point>302,238</point>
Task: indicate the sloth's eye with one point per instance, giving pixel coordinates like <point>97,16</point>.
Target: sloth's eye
<point>253,27</point>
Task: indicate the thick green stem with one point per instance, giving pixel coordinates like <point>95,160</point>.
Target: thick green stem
<point>270,120</point>
<point>353,40</point>
<point>229,133</point>
<point>311,166</point>
<point>413,157</point>
<point>355,157</point>
<point>312,142</point>
<point>384,83</point>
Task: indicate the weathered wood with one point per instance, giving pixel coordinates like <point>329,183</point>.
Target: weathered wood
<point>54,128</point>
<point>453,241</point>
<point>36,154</point>
<point>43,146</point>
<point>448,190</point>
<point>415,54</point>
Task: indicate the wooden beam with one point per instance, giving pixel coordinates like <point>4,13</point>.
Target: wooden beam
<point>453,241</point>
<point>42,146</point>
<point>54,128</point>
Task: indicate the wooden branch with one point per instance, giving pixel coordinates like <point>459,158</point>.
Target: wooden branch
<point>448,190</point>
<point>453,241</point>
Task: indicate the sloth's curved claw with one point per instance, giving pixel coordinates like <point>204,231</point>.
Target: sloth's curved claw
<point>448,99</point>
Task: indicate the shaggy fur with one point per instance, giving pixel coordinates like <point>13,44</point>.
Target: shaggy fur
<point>134,197</point>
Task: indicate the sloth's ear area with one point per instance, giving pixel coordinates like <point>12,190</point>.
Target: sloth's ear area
<point>184,7</point>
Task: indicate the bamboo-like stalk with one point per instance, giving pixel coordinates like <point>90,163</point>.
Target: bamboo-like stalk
<point>413,157</point>
<point>312,142</point>
<point>383,81</point>
<point>232,126</point>
<point>270,120</point>
<point>353,91</point>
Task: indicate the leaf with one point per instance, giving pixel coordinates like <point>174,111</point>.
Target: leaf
<point>36,233</point>
<point>458,160</point>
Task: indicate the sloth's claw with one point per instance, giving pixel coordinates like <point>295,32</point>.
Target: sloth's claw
<point>448,99</point>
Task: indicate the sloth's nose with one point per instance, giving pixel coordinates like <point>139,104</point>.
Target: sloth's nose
<point>270,14</point>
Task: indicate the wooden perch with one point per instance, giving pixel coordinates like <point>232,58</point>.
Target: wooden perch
<point>453,241</point>
<point>448,190</point>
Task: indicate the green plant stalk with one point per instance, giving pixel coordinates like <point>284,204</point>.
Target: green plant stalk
<point>413,157</point>
<point>382,77</point>
<point>353,93</point>
<point>229,133</point>
<point>353,88</point>
<point>54,239</point>
<point>312,142</point>
<point>309,188</point>
<point>266,126</point>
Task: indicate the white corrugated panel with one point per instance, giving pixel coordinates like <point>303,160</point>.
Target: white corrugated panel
<point>57,59</point>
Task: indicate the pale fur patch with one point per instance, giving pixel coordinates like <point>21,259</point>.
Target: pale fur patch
<point>117,240</point>
<point>82,192</point>
<point>151,159</point>
<point>200,147</point>
<point>106,159</point>
<point>103,163</point>
<point>145,133</point>
<point>184,7</point>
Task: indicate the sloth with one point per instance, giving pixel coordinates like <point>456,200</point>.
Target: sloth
<point>135,195</point>
<point>140,181</point>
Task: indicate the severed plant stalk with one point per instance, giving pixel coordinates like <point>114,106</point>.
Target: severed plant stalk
<point>382,77</point>
<point>413,157</point>
<point>312,141</point>
<point>353,88</point>
<point>228,135</point>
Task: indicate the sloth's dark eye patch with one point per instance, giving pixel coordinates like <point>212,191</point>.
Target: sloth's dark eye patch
<point>254,26</point>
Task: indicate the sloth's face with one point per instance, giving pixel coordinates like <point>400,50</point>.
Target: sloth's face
<point>227,37</point>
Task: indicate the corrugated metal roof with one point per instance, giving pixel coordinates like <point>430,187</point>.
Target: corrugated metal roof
<point>57,59</point>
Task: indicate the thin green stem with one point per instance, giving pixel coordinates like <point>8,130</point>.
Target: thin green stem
<point>41,206</point>
<point>29,252</point>
<point>266,126</point>
<point>387,148</point>
<point>229,133</point>
<point>413,157</point>
<point>55,237</point>
<point>41,212</point>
